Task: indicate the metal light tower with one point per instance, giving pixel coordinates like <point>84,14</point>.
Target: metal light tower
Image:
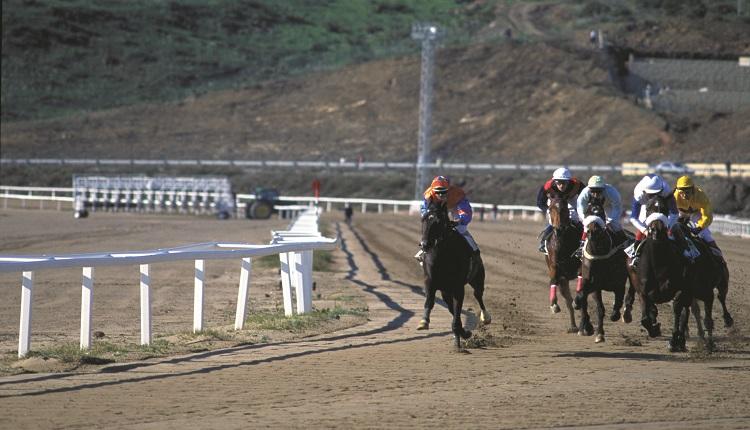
<point>428,34</point>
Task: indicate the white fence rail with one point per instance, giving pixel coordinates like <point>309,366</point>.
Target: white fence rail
<point>296,249</point>
<point>483,211</point>
<point>700,169</point>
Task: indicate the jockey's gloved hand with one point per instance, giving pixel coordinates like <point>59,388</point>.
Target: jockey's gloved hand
<point>453,224</point>
<point>696,230</point>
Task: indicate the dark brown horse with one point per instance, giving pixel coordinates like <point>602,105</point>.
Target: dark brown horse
<point>664,276</point>
<point>562,263</point>
<point>446,268</point>
<point>603,268</point>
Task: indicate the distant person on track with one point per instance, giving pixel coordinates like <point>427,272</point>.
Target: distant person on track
<point>459,209</point>
<point>564,186</point>
<point>348,212</point>
<point>693,205</point>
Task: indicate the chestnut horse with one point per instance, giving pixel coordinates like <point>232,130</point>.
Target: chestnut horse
<point>562,263</point>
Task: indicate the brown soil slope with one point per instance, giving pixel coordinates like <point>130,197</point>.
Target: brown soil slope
<point>503,102</point>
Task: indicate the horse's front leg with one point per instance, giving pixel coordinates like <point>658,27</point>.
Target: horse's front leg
<point>565,290</point>
<point>619,298</point>
<point>680,310</point>
<point>458,328</point>
<point>585,327</point>
<point>649,313</point>
<point>429,303</point>
<point>696,310</point>
<point>599,316</point>
<point>627,315</point>
<point>708,305</point>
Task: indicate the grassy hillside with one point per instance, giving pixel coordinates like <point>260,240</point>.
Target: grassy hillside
<point>62,56</point>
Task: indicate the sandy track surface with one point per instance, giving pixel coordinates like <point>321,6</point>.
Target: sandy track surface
<point>385,374</point>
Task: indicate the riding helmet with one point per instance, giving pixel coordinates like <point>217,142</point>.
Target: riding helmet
<point>685,182</point>
<point>562,174</point>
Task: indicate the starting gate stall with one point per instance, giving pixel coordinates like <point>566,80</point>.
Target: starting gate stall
<point>191,194</point>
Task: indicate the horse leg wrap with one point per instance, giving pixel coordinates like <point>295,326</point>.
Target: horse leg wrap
<point>579,285</point>
<point>552,293</point>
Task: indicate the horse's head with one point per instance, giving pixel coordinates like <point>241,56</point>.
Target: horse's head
<point>656,204</point>
<point>558,213</point>
<point>599,241</point>
<point>657,225</point>
<point>435,223</point>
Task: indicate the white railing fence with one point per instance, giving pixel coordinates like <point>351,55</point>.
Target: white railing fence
<point>724,224</point>
<point>295,250</point>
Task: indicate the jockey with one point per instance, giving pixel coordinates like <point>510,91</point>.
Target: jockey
<point>562,185</point>
<point>458,207</point>
<point>647,188</point>
<point>599,192</point>
<point>693,204</point>
<point>603,194</point>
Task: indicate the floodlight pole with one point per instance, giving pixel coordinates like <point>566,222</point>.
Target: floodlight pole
<point>429,35</point>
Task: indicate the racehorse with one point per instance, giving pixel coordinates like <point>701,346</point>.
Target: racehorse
<point>603,267</point>
<point>693,277</point>
<point>663,277</point>
<point>562,264</point>
<point>707,272</point>
<point>446,268</point>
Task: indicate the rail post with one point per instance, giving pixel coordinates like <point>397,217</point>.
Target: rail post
<point>145,305</point>
<point>286,287</point>
<point>87,300</point>
<point>239,318</point>
<point>200,276</point>
<point>24,332</point>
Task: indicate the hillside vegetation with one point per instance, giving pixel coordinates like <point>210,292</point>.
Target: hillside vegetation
<point>83,55</point>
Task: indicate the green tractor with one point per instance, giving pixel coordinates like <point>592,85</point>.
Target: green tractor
<point>262,206</point>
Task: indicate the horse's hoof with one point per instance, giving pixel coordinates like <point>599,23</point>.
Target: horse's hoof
<point>728,321</point>
<point>599,338</point>
<point>676,346</point>
<point>554,308</point>
<point>615,316</point>
<point>485,317</point>
<point>423,325</point>
<point>573,329</point>
<point>627,317</point>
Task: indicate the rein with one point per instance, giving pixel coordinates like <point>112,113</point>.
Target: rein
<point>600,257</point>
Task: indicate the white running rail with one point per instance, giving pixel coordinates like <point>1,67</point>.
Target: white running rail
<point>298,250</point>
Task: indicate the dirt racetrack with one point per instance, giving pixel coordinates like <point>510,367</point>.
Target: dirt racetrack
<point>523,370</point>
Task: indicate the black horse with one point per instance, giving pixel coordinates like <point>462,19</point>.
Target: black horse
<point>663,277</point>
<point>562,263</point>
<point>665,273</point>
<point>707,272</point>
<point>603,267</point>
<point>446,268</point>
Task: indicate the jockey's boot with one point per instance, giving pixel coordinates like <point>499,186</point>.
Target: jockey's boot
<point>636,248</point>
<point>544,235</point>
<point>579,251</point>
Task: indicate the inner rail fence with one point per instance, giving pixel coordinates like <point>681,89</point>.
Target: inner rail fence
<point>294,246</point>
<point>700,169</point>
<point>290,206</point>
